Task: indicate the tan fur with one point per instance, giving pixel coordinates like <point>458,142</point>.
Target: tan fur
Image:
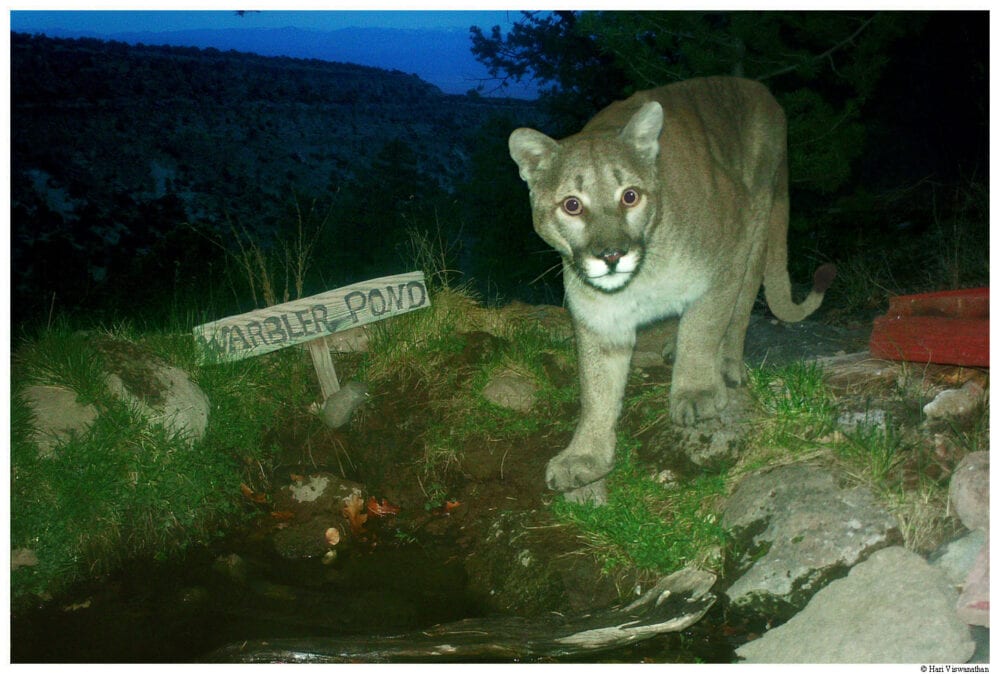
<point>673,202</point>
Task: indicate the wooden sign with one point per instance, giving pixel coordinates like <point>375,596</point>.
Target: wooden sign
<point>310,319</point>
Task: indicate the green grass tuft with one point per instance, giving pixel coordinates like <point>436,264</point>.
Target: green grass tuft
<point>647,525</point>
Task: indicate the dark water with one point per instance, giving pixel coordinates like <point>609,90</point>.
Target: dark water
<point>178,612</point>
<point>183,611</point>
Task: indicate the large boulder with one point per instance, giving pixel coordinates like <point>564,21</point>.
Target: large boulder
<point>163,394</point>
<point>892,608</point>
<point>969,494</point>
<point>58,415</point>
<point>795,529</point>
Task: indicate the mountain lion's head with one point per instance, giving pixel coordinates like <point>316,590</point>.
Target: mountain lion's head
<point>594,197</point>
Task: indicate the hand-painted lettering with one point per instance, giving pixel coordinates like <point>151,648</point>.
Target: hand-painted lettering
<point>395,296</point>
<point>418,294</point>
<point>376,302</point>
<point>319,318</point>
<point>254,333</point>
<point>275,330</point>
<point>276,327</point>
<point>360,301</point>
<point>303,317</point>
<point>288,327</point>
<point>234,334</point>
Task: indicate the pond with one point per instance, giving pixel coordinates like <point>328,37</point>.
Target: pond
<point>236,591</point>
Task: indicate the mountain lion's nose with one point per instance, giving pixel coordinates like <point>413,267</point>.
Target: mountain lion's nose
<point>612,255</point>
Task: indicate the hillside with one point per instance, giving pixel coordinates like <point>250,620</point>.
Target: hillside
<point>115,146</point>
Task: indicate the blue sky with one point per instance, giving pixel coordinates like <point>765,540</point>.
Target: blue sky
<point>126,21</point>
<point>443,59</point>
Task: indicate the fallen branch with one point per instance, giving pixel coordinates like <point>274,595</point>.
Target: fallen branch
<point>673,604</point>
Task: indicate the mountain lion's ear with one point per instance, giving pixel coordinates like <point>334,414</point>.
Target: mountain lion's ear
<point>533,151</point>
<point>643,130</point>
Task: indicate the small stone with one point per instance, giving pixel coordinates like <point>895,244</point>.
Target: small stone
<point>339,407</point>
<point>969,491</point>
<point>233,567</point>
<point>956,558</point>
<point>354,340</point>
<point>511,390</point>
<point>954,403</point>
<point>22,557</point>
<point>974,604</point>
<point>309,489</point>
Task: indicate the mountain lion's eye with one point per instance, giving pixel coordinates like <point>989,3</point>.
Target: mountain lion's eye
<point>630,198</point>
<point>572,206</point>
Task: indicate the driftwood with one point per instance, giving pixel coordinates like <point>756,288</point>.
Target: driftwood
<point>673,604</point>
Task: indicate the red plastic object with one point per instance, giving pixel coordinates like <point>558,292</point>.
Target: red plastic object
<point>950,327</point>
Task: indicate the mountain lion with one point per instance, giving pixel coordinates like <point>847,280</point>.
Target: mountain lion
<point>672,202</point>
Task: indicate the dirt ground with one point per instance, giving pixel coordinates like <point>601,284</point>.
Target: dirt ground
<point>516,556</point>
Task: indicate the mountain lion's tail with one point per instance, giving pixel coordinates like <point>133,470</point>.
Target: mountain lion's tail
<point>777,287</point>
<point>778,291</point>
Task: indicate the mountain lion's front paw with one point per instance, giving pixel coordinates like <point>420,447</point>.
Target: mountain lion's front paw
<point>689,407</point>
<point>570,469</point>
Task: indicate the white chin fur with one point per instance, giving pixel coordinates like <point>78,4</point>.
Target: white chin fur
<point>610,282</point>
<point>600,276</point>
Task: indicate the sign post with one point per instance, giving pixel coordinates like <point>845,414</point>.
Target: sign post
<point>309,320</point>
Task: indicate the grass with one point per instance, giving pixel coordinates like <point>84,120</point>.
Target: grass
<point>945,248</point>
<point>795,408</point>
<point>648,526</point>
<point>424,349</point>
<point>126,488</point>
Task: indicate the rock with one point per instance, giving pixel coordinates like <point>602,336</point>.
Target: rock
<point>354,340</point>
<point>809,529</point>
<point>314,504</point>
<point>654,344</point>
<point>969,491</point>
<point>22,557</point>
<point>892,608</point>
<point>956,558</point>
<point>58,415</point>
<point>339,407</point>
<point>870,418</point>
<point>317,495</point>
<point>511,390</point>
<point>955,403</point>
<point>711,444</point>
<point>974,603</point>
<point>773,342</point>
<point>233,567</point>
<point>301,542</point>
<point>857,372</point>
<point>167,397</point>
<point>163,395</point>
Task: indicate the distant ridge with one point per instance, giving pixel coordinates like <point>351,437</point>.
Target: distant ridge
<point>126,158</point>
<point>442,57</point>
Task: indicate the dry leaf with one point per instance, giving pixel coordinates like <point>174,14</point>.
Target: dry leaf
<point>252,495</point>
<point>353,511</point>
<point>381,509</point>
